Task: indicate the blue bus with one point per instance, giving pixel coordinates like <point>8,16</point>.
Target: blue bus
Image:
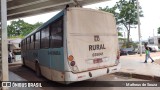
<point>76,44</point>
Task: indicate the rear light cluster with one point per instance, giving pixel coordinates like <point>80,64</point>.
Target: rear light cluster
<point>118,57</point>
<point>72,63</point>
<point>71,58</point>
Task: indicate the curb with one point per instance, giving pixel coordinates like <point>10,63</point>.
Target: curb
<point>123,74</point>
<point>13,64</point>
<point>138,76</point>
<point>145,77</point>
<point>156,78</point>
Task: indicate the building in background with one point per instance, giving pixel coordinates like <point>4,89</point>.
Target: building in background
<point>154,40</point>
<point>14,47</point>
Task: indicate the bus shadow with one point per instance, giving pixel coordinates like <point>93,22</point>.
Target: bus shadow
<point>30,75</point>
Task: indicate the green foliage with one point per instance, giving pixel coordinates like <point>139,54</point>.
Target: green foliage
<point>125,12</point>
<point>16,37</point>
<point>131,44</point>
<point>120,34</point>
<point>112,10</point>
<point>20,28</point>
<point>128,12</point>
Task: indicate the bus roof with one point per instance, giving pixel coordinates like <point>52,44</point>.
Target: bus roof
<point>46,23</point>
<point>56,17</point>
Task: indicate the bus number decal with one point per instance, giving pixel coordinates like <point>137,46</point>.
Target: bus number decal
<point>96,47</point>
<point>35,55</point>
<point>97,54</point>
<point>54,53</point>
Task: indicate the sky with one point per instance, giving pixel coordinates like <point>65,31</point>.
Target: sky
<point>149,23</point>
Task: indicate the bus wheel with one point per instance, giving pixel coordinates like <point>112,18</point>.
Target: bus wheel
<point>38,71</point>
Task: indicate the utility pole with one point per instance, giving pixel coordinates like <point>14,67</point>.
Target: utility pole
<point>139,31</point>
<point>154,38</point>
<point>3,43</point>
<point>153,33</point>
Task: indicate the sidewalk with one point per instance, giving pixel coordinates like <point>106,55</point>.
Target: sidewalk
<point>15,63</point>
<point>134,66</point>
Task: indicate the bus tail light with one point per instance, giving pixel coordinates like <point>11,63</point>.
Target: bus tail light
<point>74,66</point>
<point>70,58</point>
<point>72,63</point>
<point>118,57</point>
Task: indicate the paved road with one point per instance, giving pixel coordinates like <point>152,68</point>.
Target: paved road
<point>20,73</point>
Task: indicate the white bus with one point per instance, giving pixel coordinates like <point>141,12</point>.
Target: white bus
<point>76,44</point>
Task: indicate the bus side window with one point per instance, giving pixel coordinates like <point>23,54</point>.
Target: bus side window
<point>28,43</point>
<point>45,38</point>
<point>56,30</point>
<point>24,44</point>
<point>32,42</point>
<point>19,45</point>
<point>37,40</point>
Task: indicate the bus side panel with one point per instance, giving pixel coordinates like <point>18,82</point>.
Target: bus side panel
<point>57,59</point>
<point>57,64</point>
<point>28,61</point>
<point>31,59</point>
<point>44,61</point>
<point>44,57</point>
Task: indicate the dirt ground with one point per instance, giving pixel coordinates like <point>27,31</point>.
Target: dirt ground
<point>157,61</point>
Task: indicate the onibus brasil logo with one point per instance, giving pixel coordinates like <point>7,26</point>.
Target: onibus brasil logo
<point>21,84</point>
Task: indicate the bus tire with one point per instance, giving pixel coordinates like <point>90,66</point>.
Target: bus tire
<point>38,71</point>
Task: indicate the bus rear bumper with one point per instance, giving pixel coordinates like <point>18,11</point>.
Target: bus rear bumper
<point>71,77</point>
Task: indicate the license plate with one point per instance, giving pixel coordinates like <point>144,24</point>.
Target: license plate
<point>97,60</point>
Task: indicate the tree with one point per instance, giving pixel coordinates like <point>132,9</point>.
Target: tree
<point>120,34</point>
<point>28,29</point>
<point>126,15</point>
<point>20,28</point>
<point>113,11</point>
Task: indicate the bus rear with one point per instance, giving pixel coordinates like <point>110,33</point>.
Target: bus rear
<point>92,44</point>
